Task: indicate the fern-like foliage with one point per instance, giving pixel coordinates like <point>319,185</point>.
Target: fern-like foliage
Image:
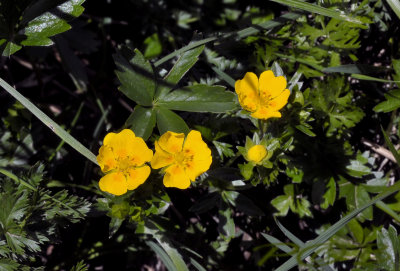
<point>30,216</point>
<point>80,266</point>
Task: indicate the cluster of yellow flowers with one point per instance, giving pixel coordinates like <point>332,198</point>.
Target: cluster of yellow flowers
<point>123,158</point>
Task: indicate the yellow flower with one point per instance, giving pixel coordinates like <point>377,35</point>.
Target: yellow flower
<point>183,160</point>
<point>257,153</point>
<point>123,157</point>
<point>263,97</point>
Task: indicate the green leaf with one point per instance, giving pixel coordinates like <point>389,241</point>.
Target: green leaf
<point>50,123</point>
<point>136,76</point>
<point>392,102</point>
<point>330,194</point>
<point>181,67</point>
<point>223,149</point>
<point>170,121</point>
<point>80,266</point>
<point>200,98</point>
<point>305,130</point>
<point>356,230</point>
<point>205,203</point>
<point>282,204</point>
<point>356,196</point>
<point>246,170</point>
<point>226,225</point>
<point>153,46</point>
<point>333,100</point>
<point>142,121</point>
<point>320,10</point>
<point>242,203</point>
<point>357,169</point>
<point>302,207</point>
<point>387,249</point>
<point>8,265</point>
<point>32,23</point>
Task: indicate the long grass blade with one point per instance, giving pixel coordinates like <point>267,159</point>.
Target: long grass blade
<point>370,78</point>
<point>281,245</point>
<point>70,140</point>
<point>319,10</point>
<point>395,5</point>
<point>224,76</point>
<point>300,243</point>
<point>311,246</point>
<point>391,147</point>
<point>163,255</point>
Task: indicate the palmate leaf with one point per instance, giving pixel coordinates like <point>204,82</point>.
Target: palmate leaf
<point>200,98</point>
<point>142,121</point>
<point>392,102</point>
<point>136,76</point>
<point>181,67</point>
<point>32,23</point>
<point>332,100</point>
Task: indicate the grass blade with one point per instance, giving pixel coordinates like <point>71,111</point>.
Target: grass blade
<point>224,76</point>
<point>163,255</point>
<point>319,10</point>
<point>370,78</point>
<point>288,234</point>
<point>197,265</point>
<point>281,245</point>
<point>395,5</point>
<point>311,246</point>
<point>391,147</point>
<point>70,140</point>
<point>300,243</point>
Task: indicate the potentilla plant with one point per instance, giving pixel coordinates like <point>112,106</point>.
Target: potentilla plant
<point>180,174</point>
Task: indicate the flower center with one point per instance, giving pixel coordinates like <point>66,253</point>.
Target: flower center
<point>125,163</point>
<point>183,158</point>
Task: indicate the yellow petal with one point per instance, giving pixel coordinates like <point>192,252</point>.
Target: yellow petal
<point>106,159</point>
<point>161,158</point>
<point>175,177</point>
<point>197,167</point>
<point>271,86</point>
<point>247,91</point>
<point>114,183</point>
<point>200,154</point>
<point>280,101</point>
<point>256,153</point>
<point>120,143</point>
<point>171,142</point>
<point>266,113</point>
<point>139,153</point>
<point>137,176</point>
